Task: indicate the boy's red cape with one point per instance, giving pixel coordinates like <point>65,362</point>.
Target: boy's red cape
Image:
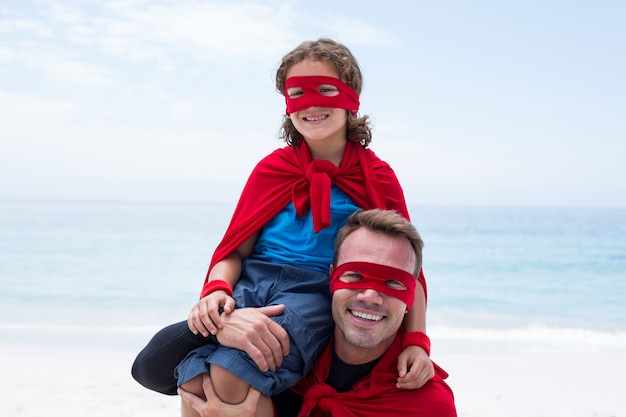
<point>290,174</point>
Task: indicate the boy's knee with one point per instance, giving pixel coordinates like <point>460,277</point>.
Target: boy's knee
<point>194,386</point>
<point>228,386</point>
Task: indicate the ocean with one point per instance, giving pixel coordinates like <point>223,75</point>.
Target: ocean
<point>108,274</point>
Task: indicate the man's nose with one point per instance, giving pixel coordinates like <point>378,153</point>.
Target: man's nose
<point>370,295</point>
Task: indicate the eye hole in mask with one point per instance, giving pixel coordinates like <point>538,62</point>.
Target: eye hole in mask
<point>327,90</point>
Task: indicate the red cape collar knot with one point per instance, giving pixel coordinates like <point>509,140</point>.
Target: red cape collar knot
<point>319,175</point>
<point>312,96</point>
<point>321,397</point>
<point>376,276</point>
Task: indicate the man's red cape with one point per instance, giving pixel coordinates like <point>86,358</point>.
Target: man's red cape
<point>375,395</point>
<point>290,174</point>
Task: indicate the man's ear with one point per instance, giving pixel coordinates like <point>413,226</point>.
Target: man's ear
<point>331,269</point>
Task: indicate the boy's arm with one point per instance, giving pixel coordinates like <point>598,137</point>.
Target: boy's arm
<point>414,366</point>
<point>205,315</point>
<point>415,319</point>
<point>229,268</point>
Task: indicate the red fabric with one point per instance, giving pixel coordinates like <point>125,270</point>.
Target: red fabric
<point>310,96</point>
<point>375,395</point>
<point>420,339</point>
<point>290,174</point>
<point>218,284</point>
<point>375,276</point>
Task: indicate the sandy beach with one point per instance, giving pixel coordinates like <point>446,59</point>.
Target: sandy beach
<point>56,382</point>
<point>538,384</point>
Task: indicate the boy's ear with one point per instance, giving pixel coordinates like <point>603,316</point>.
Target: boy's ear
<point>331,268</point>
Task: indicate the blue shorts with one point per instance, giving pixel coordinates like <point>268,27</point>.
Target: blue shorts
<point>307,319</point>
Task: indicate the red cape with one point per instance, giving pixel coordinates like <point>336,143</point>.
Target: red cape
<point>290,174</point>
<point>375,395</point>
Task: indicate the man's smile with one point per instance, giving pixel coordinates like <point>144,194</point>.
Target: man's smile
<point>366,316</point>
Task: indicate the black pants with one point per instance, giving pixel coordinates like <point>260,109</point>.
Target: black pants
<point>154,366</point>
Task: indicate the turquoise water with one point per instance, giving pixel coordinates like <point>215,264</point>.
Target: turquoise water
<point>563,267</point>
<point>129,268</point>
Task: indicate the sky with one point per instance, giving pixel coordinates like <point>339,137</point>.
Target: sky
<point>472,102</point>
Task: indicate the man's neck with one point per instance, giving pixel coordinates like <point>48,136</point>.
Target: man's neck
<point>356,355</point>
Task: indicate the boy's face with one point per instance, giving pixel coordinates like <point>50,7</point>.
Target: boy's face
<point>318,124</point>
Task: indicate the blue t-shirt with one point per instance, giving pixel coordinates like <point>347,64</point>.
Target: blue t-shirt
<point>290,239</point>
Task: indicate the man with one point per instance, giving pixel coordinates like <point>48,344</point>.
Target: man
<point>377,257</point>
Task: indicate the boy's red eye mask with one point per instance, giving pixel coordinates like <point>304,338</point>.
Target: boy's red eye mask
<point>346,98</point>
<point>375,276</point>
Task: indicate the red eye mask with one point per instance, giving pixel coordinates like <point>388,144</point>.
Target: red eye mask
<point>346,98</point>
<point>375,277</point>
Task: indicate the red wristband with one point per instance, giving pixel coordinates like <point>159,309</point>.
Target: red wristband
<point>416,339</point>
<point>217,284</point>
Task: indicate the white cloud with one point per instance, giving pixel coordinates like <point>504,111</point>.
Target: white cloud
<point>137,30</point>
<point>66,14</point>
<point>22,25</point>
<point>223,29</point>
<point>6,54</point>
<point>353,31</point>
<point>80,73</point>
<point>182,111</point>
<point>74,42</point>
<point>79,36</point>
<point>20,111</point>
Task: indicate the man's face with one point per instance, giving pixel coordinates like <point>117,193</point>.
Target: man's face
<point>366,320</point>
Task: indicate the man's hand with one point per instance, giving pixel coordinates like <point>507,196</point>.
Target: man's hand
<point>251,330</point>
<point>421,368</point>
<point>214,407</point>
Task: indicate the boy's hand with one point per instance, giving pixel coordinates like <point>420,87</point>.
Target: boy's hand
<point>420,367</point>
<point>205,315</point>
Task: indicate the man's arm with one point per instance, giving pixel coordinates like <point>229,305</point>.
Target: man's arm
<point>251,330</point>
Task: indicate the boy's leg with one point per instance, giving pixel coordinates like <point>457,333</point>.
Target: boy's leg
<point>154,366</point>
<point>264,405</point>
<point>229,387</point>
<point>233,390</point>
<point>265,408</point>
<point>193,386</point>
